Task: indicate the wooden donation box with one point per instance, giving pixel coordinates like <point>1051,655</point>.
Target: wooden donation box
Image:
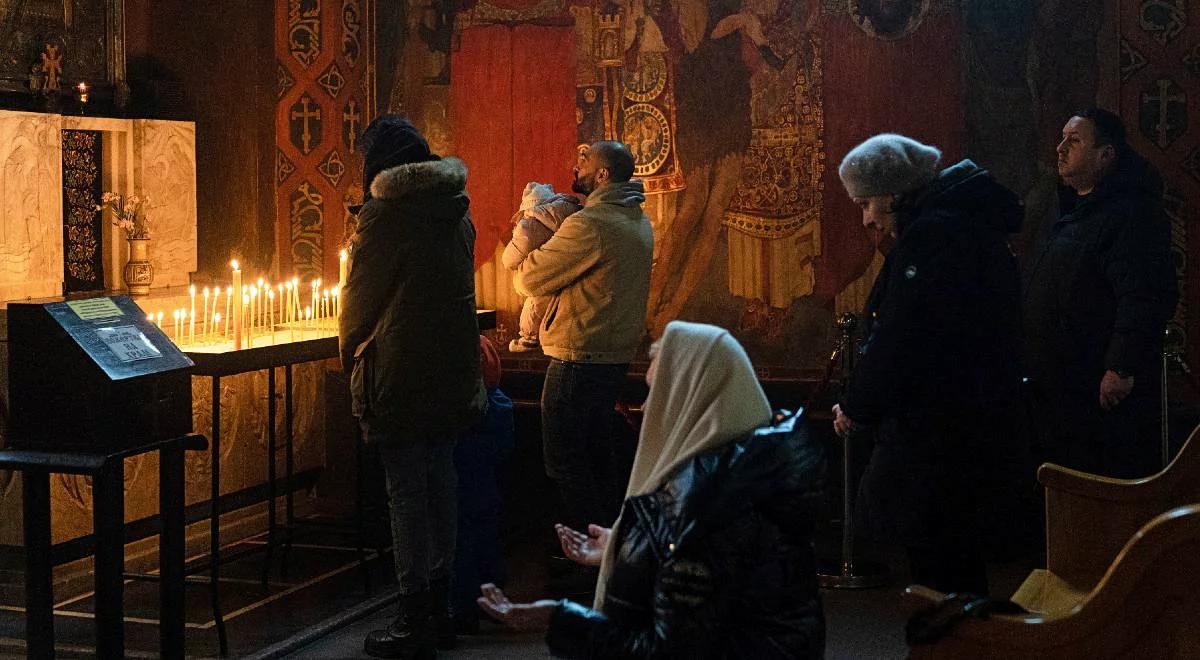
<point>93,375</point>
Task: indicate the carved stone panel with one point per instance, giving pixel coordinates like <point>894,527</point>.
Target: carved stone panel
<point>31,248</point>
<point>165,170</point>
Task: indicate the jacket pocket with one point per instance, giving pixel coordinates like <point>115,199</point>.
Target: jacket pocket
<point>551,305</point>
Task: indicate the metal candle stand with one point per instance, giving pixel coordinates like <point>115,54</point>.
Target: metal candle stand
<point>846,573</point>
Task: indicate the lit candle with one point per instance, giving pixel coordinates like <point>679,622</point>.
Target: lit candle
<point>259,303</point>
<point>308,316</point>
<point>337,303</point>
<point>271,312</point>
<point>237,309</point>
<point>216,320</point>
<point>325,303</point>
<point>192,314</point>
<point>207,316</point>
<point>160,320</point>
<point>245,308</point>
<point>228,310</point>
<point>82,88</point>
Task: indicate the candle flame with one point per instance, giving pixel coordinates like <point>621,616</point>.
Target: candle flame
<point>234,263</point>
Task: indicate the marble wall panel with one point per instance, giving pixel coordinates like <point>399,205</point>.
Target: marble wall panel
<point>164,162</point>
<point>31,248</point>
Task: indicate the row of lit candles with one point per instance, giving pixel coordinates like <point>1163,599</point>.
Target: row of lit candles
<point>261,310</point>
<point>263,305</point>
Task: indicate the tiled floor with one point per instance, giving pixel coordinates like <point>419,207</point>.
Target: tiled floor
<point>323,579</point>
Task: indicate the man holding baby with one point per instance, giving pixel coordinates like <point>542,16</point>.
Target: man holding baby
<point>593,273</point>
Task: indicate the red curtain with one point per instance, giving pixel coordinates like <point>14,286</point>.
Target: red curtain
<point>911,86</point>
<point>512,104</point>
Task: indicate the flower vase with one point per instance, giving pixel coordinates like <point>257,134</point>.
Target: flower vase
<point>138,274</point>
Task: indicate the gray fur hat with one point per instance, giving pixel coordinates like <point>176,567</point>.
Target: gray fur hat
<point>888,164</point>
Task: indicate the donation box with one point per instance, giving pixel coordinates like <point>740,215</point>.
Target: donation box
<point>94,375</point>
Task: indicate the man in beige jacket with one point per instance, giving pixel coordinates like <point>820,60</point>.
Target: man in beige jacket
<point>597,269</point>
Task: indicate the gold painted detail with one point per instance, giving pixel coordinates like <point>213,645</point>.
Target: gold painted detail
<point>351,31</point>
<point>307,220</point>
<point>648,81</point>
<point>485,13</point>
<point>332,168</point>
<point>648,135</point>
<point>304,30</point>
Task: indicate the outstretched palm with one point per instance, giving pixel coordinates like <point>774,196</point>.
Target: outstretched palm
<point>586,549</point>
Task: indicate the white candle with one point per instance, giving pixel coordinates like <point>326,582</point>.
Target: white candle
<point>216,321</point>
<point>205,319</point>
<point>237,309</point>
<point>271,313</point>
<point>192,314</point>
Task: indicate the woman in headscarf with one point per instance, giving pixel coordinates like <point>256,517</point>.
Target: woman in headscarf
<point>711,556</point>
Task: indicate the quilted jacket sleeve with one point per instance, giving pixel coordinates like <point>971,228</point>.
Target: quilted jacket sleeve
<point>684,620</point>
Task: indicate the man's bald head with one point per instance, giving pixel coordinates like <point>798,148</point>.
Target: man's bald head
<point>600,164</point>
<point>616,157</point>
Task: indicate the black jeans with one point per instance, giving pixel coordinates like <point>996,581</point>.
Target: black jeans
<point>577,412</point>
<point>422,500</point>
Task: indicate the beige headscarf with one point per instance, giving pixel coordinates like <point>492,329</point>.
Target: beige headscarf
<point>705,395</point>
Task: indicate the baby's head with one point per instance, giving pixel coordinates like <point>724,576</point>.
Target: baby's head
<point>535,194</point>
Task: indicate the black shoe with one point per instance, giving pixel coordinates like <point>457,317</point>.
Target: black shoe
<point>443,624</point>
<point>410,637</point>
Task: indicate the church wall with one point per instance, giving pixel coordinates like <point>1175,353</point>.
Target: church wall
<point>749,122</point>
<point>219,55</point>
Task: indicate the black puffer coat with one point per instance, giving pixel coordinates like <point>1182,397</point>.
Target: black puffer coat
<point>718,563</point>
<point>1100,289</point>
<point>940,371</point>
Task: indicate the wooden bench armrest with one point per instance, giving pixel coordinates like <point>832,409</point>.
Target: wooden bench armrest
<point>1082,484</point>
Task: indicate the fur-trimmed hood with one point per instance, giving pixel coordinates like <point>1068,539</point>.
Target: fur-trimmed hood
<point>447,176</point>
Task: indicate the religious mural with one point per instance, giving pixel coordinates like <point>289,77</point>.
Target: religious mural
<point>1159,46</point>
<point>725,105</point>
<point>325,97</point>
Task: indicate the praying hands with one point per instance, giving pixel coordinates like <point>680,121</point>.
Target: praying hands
<point>587,550</point>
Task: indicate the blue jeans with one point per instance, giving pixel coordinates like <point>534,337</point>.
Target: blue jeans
<point>577,411</point>
<point>422,500</point>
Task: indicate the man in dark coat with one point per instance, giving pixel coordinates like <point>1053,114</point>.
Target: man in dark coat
<point>1099,291</point>
<point>939,374</point>
<point>409,338</point>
